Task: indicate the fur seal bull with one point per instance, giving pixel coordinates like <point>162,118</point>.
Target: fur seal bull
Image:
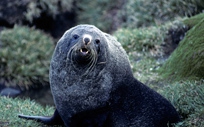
<point>93,85</point>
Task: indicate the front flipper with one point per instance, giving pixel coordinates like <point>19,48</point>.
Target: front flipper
<point>53,120</point>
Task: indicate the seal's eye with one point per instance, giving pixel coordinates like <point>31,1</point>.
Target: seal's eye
<point>97,41</point>
<point>75,36</point>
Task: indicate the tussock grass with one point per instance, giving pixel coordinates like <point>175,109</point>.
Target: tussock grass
<point>187,97</point>
<point>25,55</point>
<point>141,39</point>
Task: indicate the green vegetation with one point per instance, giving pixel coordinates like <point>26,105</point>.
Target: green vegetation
<point>145,70</point>
<point>147,40</point>
<point>143,40</point>
<point>10,108</point>
<point>194,20</point>
<point>187,97</point>
<point>109,15</point>
<point>25,55</point>
<point>187,61</point>
<point>99,13</point>
<point>136,14</point>
<point>142,46</point>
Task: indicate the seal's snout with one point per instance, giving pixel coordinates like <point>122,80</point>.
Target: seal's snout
<point>87,39</point>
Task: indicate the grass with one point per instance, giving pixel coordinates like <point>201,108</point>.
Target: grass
<point>145,70</point>
<point>187,97</point>
<point>10,108</point>
<point>194,20</point>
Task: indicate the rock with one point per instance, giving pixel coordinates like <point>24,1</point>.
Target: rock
<point>174,36</point>
<point>11,92</point>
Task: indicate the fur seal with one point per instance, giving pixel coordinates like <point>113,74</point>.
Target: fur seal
<point>93,85</point>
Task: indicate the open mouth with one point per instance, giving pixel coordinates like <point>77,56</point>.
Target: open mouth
<point>84,51</point>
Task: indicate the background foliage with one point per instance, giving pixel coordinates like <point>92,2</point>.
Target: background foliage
<point>100,13</point>
<point>25,55</point>
<point>137,13</point>
<point>109,15</point>
<point>141,40</point>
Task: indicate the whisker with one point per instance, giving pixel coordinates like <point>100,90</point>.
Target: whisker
<point>92,63</point>
<point>70,55</point>
<point>93,58</point>
<point>102,62</point>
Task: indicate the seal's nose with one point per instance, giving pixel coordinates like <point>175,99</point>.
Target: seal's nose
<point>87,39</point>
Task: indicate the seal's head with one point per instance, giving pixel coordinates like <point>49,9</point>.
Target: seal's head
<point>81,48</point>
<point>85,46</point>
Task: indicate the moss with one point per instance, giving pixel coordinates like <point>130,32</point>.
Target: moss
<point>192,21</point>
<point>13,107</point>
<point>25,55</point>
<point>187,61</point>
<point>187,97</point>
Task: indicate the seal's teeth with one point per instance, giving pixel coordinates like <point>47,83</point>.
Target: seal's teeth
<point>84,51</point>
<point>80,50</point>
